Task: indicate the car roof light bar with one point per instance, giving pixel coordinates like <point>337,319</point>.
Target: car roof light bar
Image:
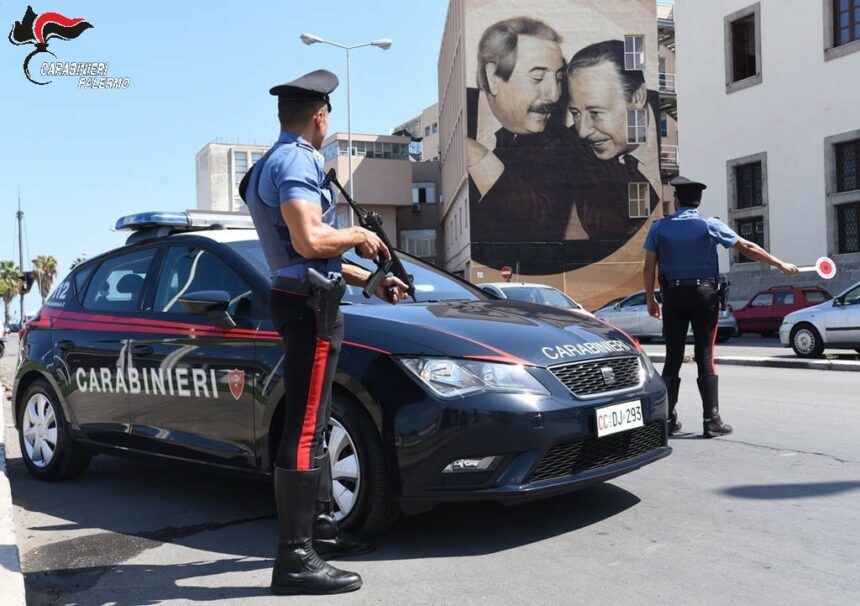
<point>190,220</point>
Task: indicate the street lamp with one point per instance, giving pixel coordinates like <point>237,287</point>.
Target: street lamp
<point>384,44</point>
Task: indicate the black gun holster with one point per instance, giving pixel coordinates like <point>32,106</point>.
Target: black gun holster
<point>324,295</point>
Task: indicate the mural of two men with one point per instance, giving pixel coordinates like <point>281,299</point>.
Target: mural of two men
<point>564,157</point>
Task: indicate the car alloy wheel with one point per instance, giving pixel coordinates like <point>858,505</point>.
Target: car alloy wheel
<point>39,429</point>
<point>806,342</point>
<point>345,469</point>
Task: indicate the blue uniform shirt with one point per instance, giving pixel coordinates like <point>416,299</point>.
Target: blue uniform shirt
<point>291,170</point>
<point>686,244</point>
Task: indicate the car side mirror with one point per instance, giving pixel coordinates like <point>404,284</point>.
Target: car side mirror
<point>211,304</point>
<point>617,306</point>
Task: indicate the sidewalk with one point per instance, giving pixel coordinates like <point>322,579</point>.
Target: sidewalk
<point>11,578</point>
<point>773,362</point>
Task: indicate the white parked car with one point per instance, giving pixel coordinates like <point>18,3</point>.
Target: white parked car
<point>631,316</point>
<point>533,293</point>
<point>834,324</point>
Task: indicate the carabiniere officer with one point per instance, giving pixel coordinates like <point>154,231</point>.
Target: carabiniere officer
<point>684,246</point>
<point>294,216</point>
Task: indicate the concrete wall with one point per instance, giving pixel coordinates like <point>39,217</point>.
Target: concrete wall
<point>802,99</point>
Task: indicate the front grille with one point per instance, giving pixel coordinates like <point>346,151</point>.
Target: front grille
<point>585,379</point>
<point>570,458</point>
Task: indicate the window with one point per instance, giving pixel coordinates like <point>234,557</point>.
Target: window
<point>848,165</point>
<point>752,230</point>
<point>784,298</point>
<point>426,131</point>
<point>118,283</point>
<point>743,48</point>
<point>424,192</point>
<point>637,125</point>
<point>852,297</point>
<point>419,242</point>
<point>435,128</point>
<point>749,185</point>
<point>846,21</point>
<point>240,165</point>
<point>848,225</point>
<point>815,296</point>
<point>187,269</point>
<point>637,299</point>
<point>255,157</point>
<point>664,124</point>
<point>762,300</point>
<point>634,52</point>
<point>638,200</point>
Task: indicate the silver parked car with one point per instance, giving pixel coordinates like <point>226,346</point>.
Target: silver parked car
<point>631,316</point>
<point>834,324</point>
<point>533,293</point>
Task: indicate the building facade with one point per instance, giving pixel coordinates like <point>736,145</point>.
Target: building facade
<point>424,131</point>
<point>770,120</point>
<point>550,155</point>
<point>219,168</point>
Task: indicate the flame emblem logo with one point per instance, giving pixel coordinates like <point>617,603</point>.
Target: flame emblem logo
<point>39,29</point>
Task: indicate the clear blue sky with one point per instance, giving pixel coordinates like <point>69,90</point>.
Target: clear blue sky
<point>199,70</point>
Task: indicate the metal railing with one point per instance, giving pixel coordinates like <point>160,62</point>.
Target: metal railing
<point>669,156</point>
<point>667,83</point>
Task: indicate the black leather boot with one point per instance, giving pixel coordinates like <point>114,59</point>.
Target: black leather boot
<point>329,540</point>
<point>712,425</point>
<point>673,384</point>
<point>298,569</point>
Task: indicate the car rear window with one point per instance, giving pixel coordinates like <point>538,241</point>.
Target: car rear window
<point>815,296</point>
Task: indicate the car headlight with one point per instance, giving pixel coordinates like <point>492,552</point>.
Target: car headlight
<point>455,378</point>
<point>648,364</point>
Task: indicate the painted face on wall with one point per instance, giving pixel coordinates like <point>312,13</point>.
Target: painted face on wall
<point>599,107</point>
<point>525,101</point>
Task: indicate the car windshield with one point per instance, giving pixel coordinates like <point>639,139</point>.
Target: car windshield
<point>539,295</point>
<point>432,284</point>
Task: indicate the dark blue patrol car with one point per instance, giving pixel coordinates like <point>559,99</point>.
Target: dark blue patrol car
<point>164,347</point>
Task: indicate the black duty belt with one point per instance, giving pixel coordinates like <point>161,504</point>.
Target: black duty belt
<point>691,282</point>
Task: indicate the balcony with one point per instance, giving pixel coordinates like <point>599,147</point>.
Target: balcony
<point>666,25</point>
<point>668,94</point>
<point>669,165</point>
<point>667,83</point>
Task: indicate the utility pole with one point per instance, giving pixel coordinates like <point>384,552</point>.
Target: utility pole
<point>20,215</point>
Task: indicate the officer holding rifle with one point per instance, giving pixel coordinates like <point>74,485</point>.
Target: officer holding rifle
<point>294,215</point>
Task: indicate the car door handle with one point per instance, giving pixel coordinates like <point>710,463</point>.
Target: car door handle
<point>66,345</point>
<point>142,350</point>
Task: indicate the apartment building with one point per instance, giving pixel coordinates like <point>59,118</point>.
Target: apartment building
<point>770,120</point>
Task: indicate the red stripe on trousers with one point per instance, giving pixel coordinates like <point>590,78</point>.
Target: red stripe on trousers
<point>315,388</point>
<point>714,344</point>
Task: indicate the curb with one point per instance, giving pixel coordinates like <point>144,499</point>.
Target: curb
<point>841,365</point>
<point>11,577</point>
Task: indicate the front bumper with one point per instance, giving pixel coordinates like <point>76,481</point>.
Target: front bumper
<point>545,445</point>
<point>785,334</point>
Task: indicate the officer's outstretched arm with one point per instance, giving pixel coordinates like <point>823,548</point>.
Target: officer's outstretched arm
<point>314,239</point>
<point>757,253</point>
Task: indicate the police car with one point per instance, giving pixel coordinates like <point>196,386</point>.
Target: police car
<point>164,347</point>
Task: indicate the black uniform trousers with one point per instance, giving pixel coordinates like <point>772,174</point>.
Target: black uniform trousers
<point>698,305</point>
<point>309,366</point>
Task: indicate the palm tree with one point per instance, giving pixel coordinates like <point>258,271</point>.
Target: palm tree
<point>45,267</point>
<point>10,286</point>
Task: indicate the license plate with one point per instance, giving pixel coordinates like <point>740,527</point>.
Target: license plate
<point>618,417</point>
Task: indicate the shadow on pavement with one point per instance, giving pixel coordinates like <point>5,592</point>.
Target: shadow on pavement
<point>790,491</point>
<point>119,509</point>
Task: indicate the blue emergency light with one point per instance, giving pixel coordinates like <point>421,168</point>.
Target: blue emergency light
<point>189,220</point>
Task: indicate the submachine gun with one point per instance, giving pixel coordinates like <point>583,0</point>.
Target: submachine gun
<point>371,221</point>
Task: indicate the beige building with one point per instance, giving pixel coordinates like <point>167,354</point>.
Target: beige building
<point>585,252</point>
<point>424,131</point>
<point>386,181</point>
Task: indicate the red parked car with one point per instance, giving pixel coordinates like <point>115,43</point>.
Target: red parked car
<point>765,311</point>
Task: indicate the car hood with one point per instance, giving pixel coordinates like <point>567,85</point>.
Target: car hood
<point>499,330</point>
<point>807,312</point>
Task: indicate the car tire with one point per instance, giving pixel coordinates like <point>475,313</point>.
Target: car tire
<point>2,349</point>
<point>47,447</point>
<point>806,341</point>
<point>373,510</point>
<point>739,333</point>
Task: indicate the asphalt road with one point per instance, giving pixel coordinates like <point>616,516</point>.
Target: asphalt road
<point>754,345</point>
<point>766,516</point>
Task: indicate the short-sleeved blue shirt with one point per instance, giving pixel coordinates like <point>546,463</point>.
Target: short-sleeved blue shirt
<point>291,170</point>
<point>686,244</point>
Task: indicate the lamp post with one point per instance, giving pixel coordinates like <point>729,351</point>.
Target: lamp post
<point>384,44</point>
